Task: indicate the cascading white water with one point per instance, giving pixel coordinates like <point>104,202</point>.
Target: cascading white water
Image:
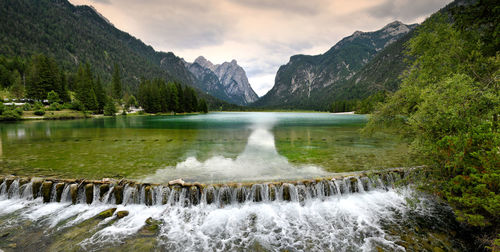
<point>351,221</point>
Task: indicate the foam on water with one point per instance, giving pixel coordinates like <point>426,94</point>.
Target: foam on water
<point>340,222</point>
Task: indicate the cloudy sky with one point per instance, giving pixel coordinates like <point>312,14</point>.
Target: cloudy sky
<point>260,34</point>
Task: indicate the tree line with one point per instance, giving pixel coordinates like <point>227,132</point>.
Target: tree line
<point>40,78</point>
<point>158,96</point>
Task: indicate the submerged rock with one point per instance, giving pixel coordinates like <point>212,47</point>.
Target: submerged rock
<point>121,214</point>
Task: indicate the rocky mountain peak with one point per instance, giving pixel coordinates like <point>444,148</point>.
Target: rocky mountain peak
<point>229,75</point>
<point>205,63</point>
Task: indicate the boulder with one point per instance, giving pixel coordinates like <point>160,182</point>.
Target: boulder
<point>121,214</point>
<point>106,213</point>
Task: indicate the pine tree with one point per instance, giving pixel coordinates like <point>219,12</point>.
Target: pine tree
<point>17,87</point>
<point>117,83</point>
<point>84,88</point>
<point>100,95</point>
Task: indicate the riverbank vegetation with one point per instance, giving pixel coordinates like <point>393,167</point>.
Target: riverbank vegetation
<point>38,84</point>
<point>448,107</point>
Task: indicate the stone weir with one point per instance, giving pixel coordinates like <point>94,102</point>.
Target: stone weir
<point>178,192</point>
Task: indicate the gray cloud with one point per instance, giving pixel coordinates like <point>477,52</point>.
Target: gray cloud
<point>260,34</point>
<point>294,6</point>
<point>406,9</point>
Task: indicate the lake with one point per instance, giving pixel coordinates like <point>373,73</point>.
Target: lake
<point>225,146</point>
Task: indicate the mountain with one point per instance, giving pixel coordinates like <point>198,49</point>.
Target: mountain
<point>313,82</point>
<point>79,34</point>
<point>227,81</point>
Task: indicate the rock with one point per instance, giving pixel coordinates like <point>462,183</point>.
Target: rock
<point>73,191</point>
<point>103,189</point>
<point>46,189</point>
<point>106,213</point>
<point>149,195</point>
<point>240,194</point>
<point>9,182</point>
<point>121,214</point>
<point>151,228</point>
<point>89,193</point>
<point>286,191</point>
<point>272,192</point>
<point>36,185</point>
<point>210,195</point>
<point>118,194</point>
<point>177,182</point>
<point>4,235</point>
<point>194,195</point>
<point>59,190</point>
<point>257,197</point>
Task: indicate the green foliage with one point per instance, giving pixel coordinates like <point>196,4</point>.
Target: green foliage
<point>17,88</point>
<point>203,107</point>
<point>26,107</point>
<point>2,108</point>
<point>10,115</point>
<point>55,106</point>
<point>448,106</point>
<point>110,108</point>
<point>84,83</point>
<point>116,83</point>
<point>53,97</point>
<point>131,101</point>
<point>39,112</point>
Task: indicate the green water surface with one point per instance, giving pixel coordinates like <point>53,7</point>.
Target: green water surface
<point>138,146</point>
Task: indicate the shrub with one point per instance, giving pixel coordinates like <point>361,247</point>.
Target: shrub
<point>109,109</point>
<point>19,111</point>
<point>40,112</point>
<point>27,107</point>
<point>55,106</point>
<point>10,115</point>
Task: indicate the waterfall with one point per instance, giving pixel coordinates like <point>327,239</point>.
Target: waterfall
<point>186,195</point>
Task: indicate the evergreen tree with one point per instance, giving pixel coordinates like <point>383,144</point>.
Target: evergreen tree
<point>84,88</point>
<point>64,93</point>
<point>172,97</point>
<point>202,107</point>
<point>17,87</point>
<point>116,83</point>
<point>100,95</point>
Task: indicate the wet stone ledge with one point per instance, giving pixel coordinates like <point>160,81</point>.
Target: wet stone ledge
<point>178,192</point>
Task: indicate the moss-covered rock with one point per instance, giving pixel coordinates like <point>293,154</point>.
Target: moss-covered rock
<point>121,214</point>
<point>73,190</point>
<point>286,191</point>
<point>149,195</point>
<point>89,193</point>
<point>118,191</point>
<point>106,213</point>
<point>59,191</point>
<point>151,228</point>
<point>46,189</point>
<point>36,185</point>
<point>103,189</point>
